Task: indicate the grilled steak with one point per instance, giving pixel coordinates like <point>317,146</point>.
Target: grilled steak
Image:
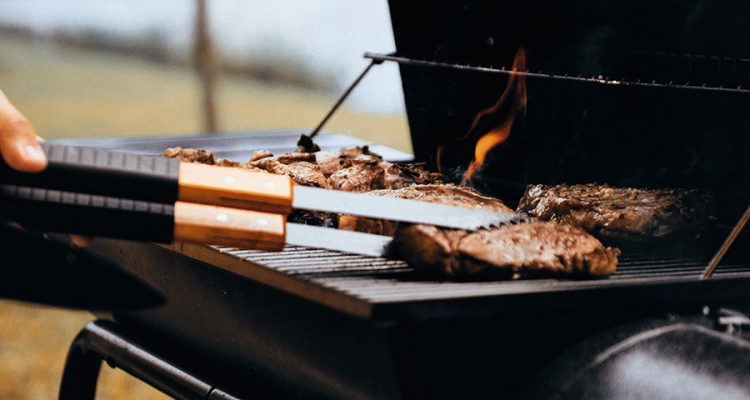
<point>623,213</point>
<point>536,248</point>
<point>439,193</point>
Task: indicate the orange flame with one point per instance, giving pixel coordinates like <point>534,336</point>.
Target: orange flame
<point>514,100</point>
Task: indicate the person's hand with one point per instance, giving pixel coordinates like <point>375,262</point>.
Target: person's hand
<point>19,144</point>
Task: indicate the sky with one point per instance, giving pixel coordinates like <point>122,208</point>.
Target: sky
<point>330,36</point>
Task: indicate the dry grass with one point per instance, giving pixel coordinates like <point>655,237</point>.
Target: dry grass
<point>69,93</point>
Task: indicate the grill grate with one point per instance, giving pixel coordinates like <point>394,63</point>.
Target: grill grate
<point>320,264</point>
<point>332,277</point>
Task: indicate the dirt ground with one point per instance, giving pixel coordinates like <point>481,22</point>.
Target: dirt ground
<point>78,93</point>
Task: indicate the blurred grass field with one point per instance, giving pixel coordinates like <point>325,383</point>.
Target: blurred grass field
<point>70,92</point>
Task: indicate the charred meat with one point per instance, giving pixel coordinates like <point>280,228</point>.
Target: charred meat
<point>533,249</point>
<point>620,213</point>
<point>202,156</point>
<point>301,167</point>
<point>536,248</point>
<point>355,169</point>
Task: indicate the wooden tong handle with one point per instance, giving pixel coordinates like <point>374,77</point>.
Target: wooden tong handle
<point>235,187</point>
<point>229,227</point>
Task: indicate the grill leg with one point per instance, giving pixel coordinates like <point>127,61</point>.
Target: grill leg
<point>81,370</point>
<point>103,341</point>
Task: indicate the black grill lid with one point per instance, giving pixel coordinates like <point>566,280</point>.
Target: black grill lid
<point>577,132</point>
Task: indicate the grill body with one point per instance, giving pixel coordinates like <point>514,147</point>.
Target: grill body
<point>311,322</point>
<point>292,337</point>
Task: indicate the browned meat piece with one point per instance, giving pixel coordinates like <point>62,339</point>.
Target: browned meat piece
<point>289,158</point>
<point>329,162</point>
<point>533,249</point>
<point>354,152</point>
<point>412,174</point>
<point>202,156</point>
<point>302,172</point>
<point>512,251</point>
<point>359,174</point>
<point>260,154</point>
<point>191,155</point>
<point>362,171</point>
<point>619,212</point>
<point>444,194</point>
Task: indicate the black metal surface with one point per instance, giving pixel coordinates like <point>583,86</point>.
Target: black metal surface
<point>49,270</point>
<point>104,341</point>
<point>476,347</point>
<point>84,214</point>
<point>576,132</point>
<point>674,358</point>
<point>97,171</point>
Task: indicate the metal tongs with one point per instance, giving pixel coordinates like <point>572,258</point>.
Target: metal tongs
<point>98,192</point>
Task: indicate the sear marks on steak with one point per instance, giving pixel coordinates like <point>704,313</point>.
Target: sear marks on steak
<point>619,213</point>
<point>532,249</point>
<point>438,193</point>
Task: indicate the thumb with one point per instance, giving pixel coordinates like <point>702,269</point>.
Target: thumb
<point>18,141</point>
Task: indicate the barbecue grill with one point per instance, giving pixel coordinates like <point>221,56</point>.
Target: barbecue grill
<point>638,93</point>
